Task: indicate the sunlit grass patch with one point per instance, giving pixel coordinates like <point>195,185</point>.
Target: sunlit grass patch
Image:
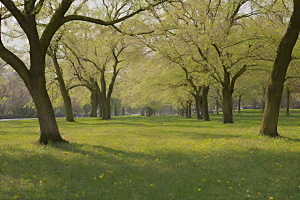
<point>167,157</point>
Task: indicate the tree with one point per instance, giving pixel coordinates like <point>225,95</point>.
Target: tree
<point>28,16</point>
<point>52,52</point>
<point>278,75</point>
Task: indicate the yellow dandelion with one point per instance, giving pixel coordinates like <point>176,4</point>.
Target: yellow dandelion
<point>151,185</point>
<point>65,187</point>
<point>230,188</point>
<point>16,196</point>
<point>228,182</point>
<point>94,178</point>
<point>199,189</point>
<point>76,195</point>
<point>271,198</point>
<point>203,168</point>
<point>120,188</point>
<point>259,193</point>
<point>243,179</point>
<point>101,176</point>
<point>203,179</point>
<point>115,183</point>
<point>219,181</point>
<point>111,172</point>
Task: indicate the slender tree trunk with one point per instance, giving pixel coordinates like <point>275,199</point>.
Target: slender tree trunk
<point>190,109</point>
<point>282,61</point>
<point>94,103</point>
<point>201,106</point>
<point>123,110</point>
<point>48,125</point>
<point>239,106</point>
<point>205,103</point>
<point>217,104</point>
<point>63,89</point>
<point>288,96</point>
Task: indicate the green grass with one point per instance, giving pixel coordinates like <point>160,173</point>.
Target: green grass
<point>168,157</point>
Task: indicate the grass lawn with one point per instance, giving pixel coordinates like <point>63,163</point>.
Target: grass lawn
<point>160,158</point>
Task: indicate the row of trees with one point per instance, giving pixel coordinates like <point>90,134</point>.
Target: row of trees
<point>173,52</point>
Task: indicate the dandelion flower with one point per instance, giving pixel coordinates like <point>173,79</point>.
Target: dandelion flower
<point>199,189</point>
<point>259,193</point>
<point>271,198</point>
<point>16,196</point>
<point>230,188</point>
<point>151,185</point>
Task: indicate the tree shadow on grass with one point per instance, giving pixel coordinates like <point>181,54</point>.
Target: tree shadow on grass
<point>62,171</point>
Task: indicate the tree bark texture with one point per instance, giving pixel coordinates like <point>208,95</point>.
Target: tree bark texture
<point>48,126</point>
<point>282,61</point>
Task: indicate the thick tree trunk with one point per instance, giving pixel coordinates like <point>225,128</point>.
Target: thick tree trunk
<point>123,110</point>
<point>48,125</point>
<point>239,106</point>
<point>288,96</point>
<point>116,110</point>
<point>94,103</point>
<point>108,108</point>
<point>63,89</point>
<point>282,61</point>
<point>205,103</point>
<point>227,99</point>
<point>197,101</point>
<point>149,111</point>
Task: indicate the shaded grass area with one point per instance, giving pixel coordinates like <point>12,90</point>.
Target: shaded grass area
<point>166,157</point>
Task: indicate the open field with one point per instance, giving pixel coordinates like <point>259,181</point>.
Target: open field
<point>167,157</point>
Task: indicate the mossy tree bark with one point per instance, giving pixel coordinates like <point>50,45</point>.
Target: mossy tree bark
<point>282,61</point>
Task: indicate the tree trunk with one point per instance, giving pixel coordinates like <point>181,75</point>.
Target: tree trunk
<point>288,96</point>
<point>227,99</point>
<point>123,110</point>
<point>94,103</point>
<point>116,110</point>
<point>239,106</point>
<point>205,103</point>
<point>217,104</point>
<point>190,109</point>
<point>149,111</point>
<point>201,106</point>
<point>282,61</point>
<point>48,125</point>
<point>108,108</point>
<point>63,89</point>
